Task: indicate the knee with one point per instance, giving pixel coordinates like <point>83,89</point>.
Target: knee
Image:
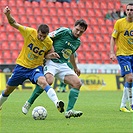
<point>77,84</point>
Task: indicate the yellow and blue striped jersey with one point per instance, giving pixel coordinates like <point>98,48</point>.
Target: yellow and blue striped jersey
<point>33,50</point>
<point>123,32</point>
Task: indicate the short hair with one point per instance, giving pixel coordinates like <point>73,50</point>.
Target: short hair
<point>82,23</point>
<point>130,4</point>
<point>43,28</point>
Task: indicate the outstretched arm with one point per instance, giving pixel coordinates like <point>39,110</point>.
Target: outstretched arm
<point>11,20</point>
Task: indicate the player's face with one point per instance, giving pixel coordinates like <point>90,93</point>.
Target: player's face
<point>77,31</point>
<point>41,36</point>
<point>129,11</point>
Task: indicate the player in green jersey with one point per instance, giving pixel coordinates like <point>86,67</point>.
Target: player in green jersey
<point>65,42</point>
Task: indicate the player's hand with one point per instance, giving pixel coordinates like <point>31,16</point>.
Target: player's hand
<point>6,10</point>
<point>53,55</point>
<point>77,71</point>
<point>112,56</point>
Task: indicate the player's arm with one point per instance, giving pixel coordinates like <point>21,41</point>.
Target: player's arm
<point>11,20</point>
<point>112,45</point>
<point>51,54</point>
<point>73,62</point>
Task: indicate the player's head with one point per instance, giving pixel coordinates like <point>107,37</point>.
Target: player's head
<point>79,28</point>
<point>129,10</point>
<point>42,31</point>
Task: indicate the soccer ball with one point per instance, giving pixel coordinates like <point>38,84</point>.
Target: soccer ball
<point>39,113</point>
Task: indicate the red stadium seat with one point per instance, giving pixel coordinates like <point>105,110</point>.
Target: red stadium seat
<point>101,21</point>
<point>96,4</point>
<point>29,11</point>
<point>88,5</point>
<point>66,5</point>
<point>9,61</point>
<point>15,54</point>
<point>50,5</point>
<point>13,45</point>
<point>75,12</point>
<point>27,4</point>
<point>5,45</point>
<point>91,38</point>
<point>111,5</point>
<point>35,4</point>
<point>91,13</point>
<point>37,11</point>
<point>98,13</point>
<point>21,11</point>
<point>103,5</point>
<point>83,13</point>
<point>93,21</point>
<point>47,19</point>
<point>81,6</point>
<point>52,12</point>
<point>23,19</point>
<point>31,19</point>
<point>45,12</point>
<point>58,5</point>
<point>60,12</point>
<point>68,12</point>
<point>3,36</point>
<point>74,5</point>
<point>96,29</point>
<point>109,22</point>
<point>93,46</point>
<point>55,20</point>
<point>7,54</point>
<point>11,36</point>
<point>99,38</point>
<point>103,30</point>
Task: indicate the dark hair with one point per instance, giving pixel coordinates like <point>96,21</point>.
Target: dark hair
<point>130,4</point>
<point>82,23</point>
<point>43,28</point>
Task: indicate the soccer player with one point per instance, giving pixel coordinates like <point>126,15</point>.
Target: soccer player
<point>65,43</point>
<point>30,60</point>
<point>123,37</point>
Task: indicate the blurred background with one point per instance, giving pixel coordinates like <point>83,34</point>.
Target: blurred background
<point>93,54</point>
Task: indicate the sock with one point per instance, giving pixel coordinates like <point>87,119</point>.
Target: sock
<point>129,88</point>
<point>124,97</point>
<point>3,98</point>
<point>37,91</point>
<point>73,95</point>
<point>52,95</point>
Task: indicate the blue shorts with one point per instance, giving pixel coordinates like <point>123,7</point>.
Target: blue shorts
<point>126,64</point>
<point>20,74</point>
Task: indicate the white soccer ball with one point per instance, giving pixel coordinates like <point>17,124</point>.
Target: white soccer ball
<point>39,113</point>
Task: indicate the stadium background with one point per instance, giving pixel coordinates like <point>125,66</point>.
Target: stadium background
<point>98,72</point>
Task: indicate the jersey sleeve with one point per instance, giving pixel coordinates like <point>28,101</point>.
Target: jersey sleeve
<point>116,30</point>
<point>24,30</point>
<point>58,33</point>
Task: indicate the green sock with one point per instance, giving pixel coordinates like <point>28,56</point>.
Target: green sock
<point>37,91</point>
<point>73,95</point>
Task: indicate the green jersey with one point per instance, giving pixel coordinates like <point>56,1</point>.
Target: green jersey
<point>64,44</point>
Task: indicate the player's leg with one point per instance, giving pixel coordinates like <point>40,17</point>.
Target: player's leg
<point>41,81</point>
<point>75,82</point>
<point>5,94</point>
<point>62,87</point>
<point>123,106</point>
<point>126,71</point>
<point>16,78</point>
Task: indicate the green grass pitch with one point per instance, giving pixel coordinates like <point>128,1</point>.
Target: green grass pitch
<point>100,114</point>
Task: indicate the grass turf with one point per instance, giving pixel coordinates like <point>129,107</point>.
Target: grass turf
<point>100,114</point>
